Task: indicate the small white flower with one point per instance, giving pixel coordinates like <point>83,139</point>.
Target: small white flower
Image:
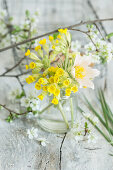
<point>92,138</point>
<point>34,104</point>
<point>42,141</point>
<point>30,115</point>
<point>13,94</point>
<point>75,45</point>
<point>79,138</point>
<point>32,133</point>
<point>25,101</point>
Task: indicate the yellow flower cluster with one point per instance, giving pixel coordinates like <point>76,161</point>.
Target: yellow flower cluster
<point>54,81</point>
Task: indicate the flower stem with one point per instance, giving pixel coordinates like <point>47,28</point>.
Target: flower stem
<point>66,61</point>
<point>72,117</point>
<point>63,115</point>
<point>47,107</point>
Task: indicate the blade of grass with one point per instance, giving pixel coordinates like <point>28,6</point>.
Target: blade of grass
<point>104,109</point>
<point>96,127</point>
<point>97,114</point>
<point>108,112</point>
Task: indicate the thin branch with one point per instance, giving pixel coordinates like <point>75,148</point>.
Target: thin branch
<point>87,33</point>
<point>22,86</point>
<point>95,13</point>
<point>17,75</point>
<point>52,32</point>
<point>73,29</point>
<point>10,69</point>
<point>12,111</point>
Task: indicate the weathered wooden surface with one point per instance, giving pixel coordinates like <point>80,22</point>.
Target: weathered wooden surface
<point>17,152</point>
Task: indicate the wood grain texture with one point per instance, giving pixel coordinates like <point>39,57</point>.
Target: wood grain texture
<point>17,152</point>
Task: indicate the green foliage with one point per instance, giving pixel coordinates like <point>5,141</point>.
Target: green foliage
<point>19,96</point>
<point>29,109</point>
<point>27,12</point>
<point>106,120</point>
<point>86,125</point>
<point>55,35</point>
<point>109,35</point>
<point>1,107</point>
<point>11,117</point>
<point>16,29</point>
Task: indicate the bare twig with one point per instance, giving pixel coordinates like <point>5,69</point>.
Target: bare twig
<point>73,29</point>
<point>95,13</point>
<point>12,111</point>
<point>17,75</point>
<point>46,34</point>
<point>10,69</point>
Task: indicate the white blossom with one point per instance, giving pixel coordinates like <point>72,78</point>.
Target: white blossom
<point>14,94</point>
<point>75,45</point>
<point>42,141</point>
<point>32,133</point>
<point>25,101</point>
<point>92,138</point>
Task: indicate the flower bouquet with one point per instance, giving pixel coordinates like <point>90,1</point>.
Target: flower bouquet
<point>58,73</point>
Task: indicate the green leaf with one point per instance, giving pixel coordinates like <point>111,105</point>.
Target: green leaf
<point>86,125</point>
<point>55,35</point>
<point>16,29</point>
<point>109,35</point>
<point>21,95</point>
<point>1,107</point>
<point>29,109</point>
<point>27,13</point>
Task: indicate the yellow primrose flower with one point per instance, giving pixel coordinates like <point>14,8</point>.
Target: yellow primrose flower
<point>32,65</point>
<point>60,72</point>
<point>66,82</point>
<point>53,47</point>
<point>44,88</point>
<point>30,79</point>
<point>51,79</point>
<point>44,75</point>
<point>51,38</point>
<point>41,97</point>
<point>59,36</point>
<point>27,67</point>
<point>57,41</point>
<point>27,53</point>
<point>68,92</point>
<point>51,88</point>
<point>57,92</point>
<point>38,86</point>
<point>54,101</point>
<point>42,42</point>
<point>60,30</point>
<point>37,48</point>
<point>74,89</point>
<point>52,69</point>
<point>56,79</point>
<point>41,81</point>
<point>65,31</point>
